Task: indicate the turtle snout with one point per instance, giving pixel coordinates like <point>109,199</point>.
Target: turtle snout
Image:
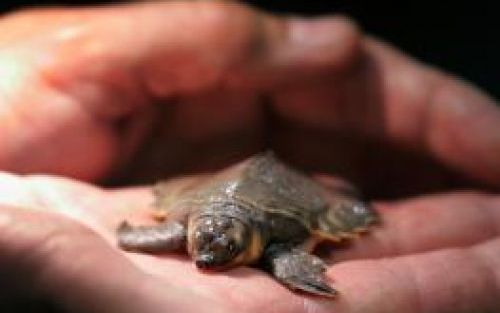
<point>217,242</point>
<point>204,261</point>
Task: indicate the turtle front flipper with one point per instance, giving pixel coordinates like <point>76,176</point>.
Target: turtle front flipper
<point>165,237</point>
<point>298,270</point>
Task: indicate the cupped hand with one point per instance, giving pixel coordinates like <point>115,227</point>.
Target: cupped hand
<point>437,253</point>
<point>138,92</point>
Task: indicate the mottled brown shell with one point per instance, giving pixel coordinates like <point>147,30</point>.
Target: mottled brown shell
<point>267,186</point>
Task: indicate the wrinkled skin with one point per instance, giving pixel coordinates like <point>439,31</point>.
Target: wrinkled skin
<point>80,105</point>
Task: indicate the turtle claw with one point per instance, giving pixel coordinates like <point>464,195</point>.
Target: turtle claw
<point>315,287</point>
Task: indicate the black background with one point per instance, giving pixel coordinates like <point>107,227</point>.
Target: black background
<point>461,37</point>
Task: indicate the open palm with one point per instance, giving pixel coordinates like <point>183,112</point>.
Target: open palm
<point>321,95</point>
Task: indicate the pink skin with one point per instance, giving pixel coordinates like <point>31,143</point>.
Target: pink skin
<point>78,104</point>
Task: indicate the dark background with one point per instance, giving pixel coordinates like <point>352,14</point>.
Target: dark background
<point>461,37</point>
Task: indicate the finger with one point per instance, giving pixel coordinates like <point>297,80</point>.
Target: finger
<point>454,121</point>
<point>452,280</point>
<point>71,266</point>
<point>390,98</point>
<point>190,47</point>
<point>426,223</point>
<point>99,209</point>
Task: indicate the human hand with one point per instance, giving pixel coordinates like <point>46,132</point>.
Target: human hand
<point>318,93</point>
<point>433,254</point>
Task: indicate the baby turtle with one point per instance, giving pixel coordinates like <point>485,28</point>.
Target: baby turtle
<point>257,212</point>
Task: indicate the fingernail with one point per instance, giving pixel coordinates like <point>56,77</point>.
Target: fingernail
<point>314,32</point>
<point>323,42</point>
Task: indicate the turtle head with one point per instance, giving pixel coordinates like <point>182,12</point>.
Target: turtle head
<point>218,242</point>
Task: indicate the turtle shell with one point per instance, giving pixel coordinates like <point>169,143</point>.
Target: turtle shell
<point>267,186</point>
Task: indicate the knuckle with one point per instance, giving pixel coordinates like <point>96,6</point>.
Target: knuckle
<point>234,33</point>
<point>221,15</point>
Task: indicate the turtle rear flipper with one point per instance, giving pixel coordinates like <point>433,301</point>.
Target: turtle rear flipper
<point>345,217</point>
<point>298,270</point>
